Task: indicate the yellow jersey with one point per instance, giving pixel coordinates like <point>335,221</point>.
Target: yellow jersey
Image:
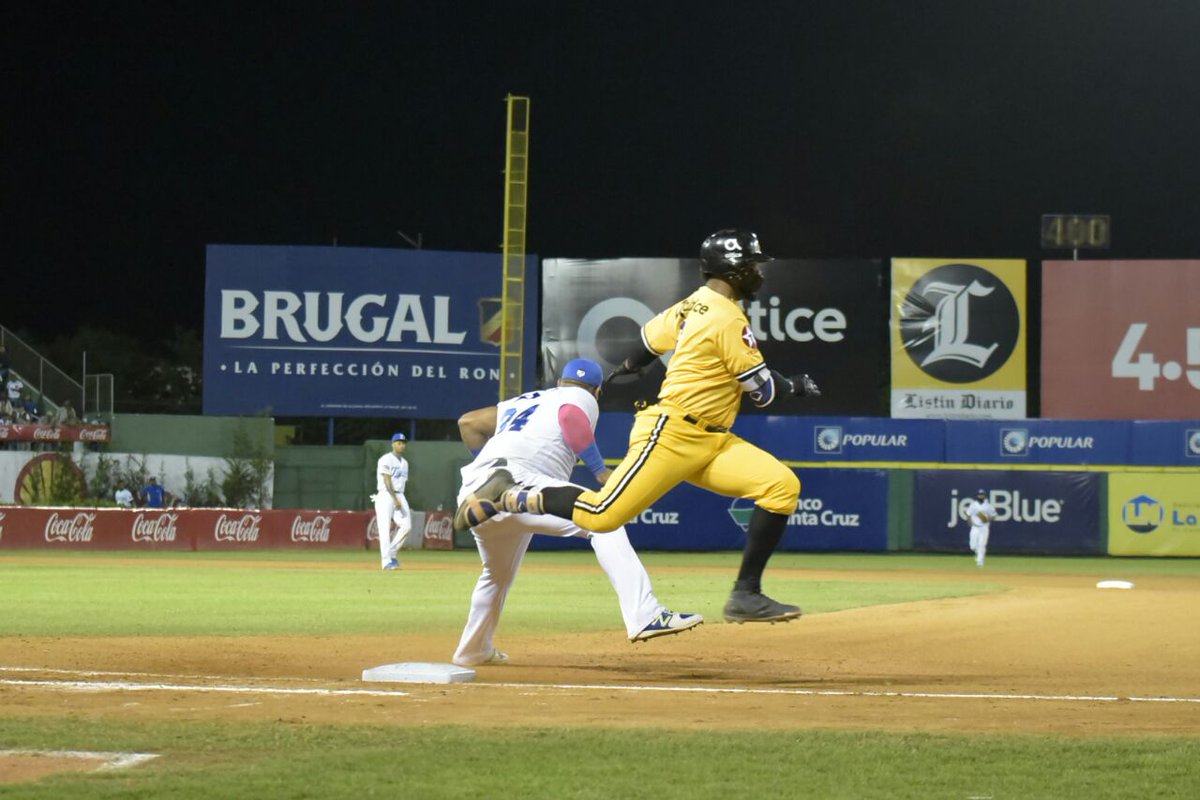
<point>714,349</point>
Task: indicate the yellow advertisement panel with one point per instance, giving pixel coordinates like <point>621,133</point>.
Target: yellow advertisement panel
<point>958,338</point>
<point>1152,514</point>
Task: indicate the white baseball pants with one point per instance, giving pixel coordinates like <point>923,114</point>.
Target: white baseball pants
<point>387,512</point>
<point>978,541</point>
<point>502,542</point>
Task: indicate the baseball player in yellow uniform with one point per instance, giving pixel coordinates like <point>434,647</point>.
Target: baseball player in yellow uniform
<point>686,435</point>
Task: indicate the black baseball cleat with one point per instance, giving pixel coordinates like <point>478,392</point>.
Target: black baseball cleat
<point>743,606</point>
<point>483,503</point>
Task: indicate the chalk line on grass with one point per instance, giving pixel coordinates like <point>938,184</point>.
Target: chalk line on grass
<point>128,686</point>
<point>849,693</point>
<point>225,687</point>
<point>109,760</point>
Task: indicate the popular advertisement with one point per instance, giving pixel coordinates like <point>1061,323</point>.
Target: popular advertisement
<point>1053,513</point>
<point>1121,339</point>
<point>1162,443</point>
<point>837,510</point>
<point>851,439</point>
<point>350,332</point>
<point>958,339</point>
<point>826,318</point>
<point>1038,442</point>
<point>30,527</point>
<point>832,439</point>
<point>1154,514</point>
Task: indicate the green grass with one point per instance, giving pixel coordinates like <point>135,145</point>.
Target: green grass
<point>284,760</point>
<point>120,594</point>
<point>219,593</point>
<point>194,594</point>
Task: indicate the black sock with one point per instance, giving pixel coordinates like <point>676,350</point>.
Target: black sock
<point>762,537</point>
<point>560,500</point>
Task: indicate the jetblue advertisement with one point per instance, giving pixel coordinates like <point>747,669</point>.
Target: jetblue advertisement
<point>837,510</point>
<point>1054,513</point>
<point>352,332</point>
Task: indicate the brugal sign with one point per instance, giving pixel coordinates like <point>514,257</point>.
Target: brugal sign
<point>348,332</point>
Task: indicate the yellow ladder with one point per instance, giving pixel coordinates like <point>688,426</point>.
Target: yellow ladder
<point>516,172</point>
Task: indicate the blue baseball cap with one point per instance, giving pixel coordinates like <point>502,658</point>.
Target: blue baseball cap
<point>583,370</point>
<point>399,437</point>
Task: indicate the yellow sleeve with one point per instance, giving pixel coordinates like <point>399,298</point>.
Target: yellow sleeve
<point>662,332</point>
<point>738,347</point>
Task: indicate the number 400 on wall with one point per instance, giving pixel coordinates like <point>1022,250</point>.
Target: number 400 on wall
<point>1128,363</point>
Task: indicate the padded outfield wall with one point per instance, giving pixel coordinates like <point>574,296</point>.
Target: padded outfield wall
<point>872,484</point>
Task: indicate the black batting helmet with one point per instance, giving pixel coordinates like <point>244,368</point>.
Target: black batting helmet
<point>733,255</point>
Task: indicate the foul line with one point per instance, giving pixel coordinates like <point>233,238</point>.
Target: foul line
<point>853,693</point>
<point>126,686</point>
<point>102,686</point>
<point>111,760</point>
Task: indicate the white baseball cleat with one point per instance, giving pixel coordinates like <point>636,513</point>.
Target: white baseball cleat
<point>495,658</point>
<point>667,623</point>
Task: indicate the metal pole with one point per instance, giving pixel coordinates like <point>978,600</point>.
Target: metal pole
<point>83,389</point>
<point>329,435</point>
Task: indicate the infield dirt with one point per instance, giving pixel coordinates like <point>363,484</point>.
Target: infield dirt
<point>1048,654</point>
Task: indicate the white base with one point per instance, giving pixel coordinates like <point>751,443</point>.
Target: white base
<point>1114,585</point>
<point>419,672</point>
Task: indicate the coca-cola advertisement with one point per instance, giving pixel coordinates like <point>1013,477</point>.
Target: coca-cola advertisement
<point>439,530</point>
<point>29,527</point>
<point>11,432</point>
<point>315,530</point>
<point>155,528</point>
<point>69,527</point>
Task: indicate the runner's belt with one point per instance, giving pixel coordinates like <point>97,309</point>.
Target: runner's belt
<point>706,428</point>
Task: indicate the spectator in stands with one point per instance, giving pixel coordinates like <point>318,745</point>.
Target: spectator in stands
<point>153,494</point>
<point>7,412</point>
<point>29,411</point>
<point>5,365</point>
<point>123,496</point>
<point>64,415</point>
<point>15,387</point>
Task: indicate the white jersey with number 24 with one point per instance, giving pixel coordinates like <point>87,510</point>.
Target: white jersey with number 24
<point>528,434</point>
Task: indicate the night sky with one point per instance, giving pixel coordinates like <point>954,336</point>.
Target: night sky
<point>135,133</point>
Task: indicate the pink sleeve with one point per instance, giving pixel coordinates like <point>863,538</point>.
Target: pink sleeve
<point>576,428</point>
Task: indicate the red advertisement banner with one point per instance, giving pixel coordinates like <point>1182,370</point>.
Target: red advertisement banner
<point>1121,339</point>
<point>26,527</point>
<point>10,432</point>
<point>439,531</point>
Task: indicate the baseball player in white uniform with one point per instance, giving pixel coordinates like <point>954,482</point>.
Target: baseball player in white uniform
<point>391,476</point>
<point>980,513</point>
<point>538,437</point>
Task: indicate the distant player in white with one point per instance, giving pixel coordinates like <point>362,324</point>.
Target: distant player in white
<point>980,513</point>
<point>391,476</point>
<point>538,437</point>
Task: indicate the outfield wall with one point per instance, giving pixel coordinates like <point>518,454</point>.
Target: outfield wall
<point>40,527</point>
<point>873,484</point>
<point>869,485</point>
